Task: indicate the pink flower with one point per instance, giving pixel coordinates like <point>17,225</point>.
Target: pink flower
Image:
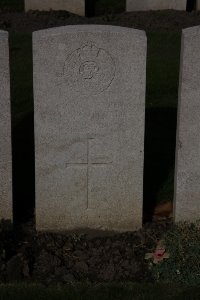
<point>159,254</point>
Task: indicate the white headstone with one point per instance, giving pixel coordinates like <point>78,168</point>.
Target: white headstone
<point>5,131</point>
<point>187,175</point>
<point>73,6</point>
<point>89,87</point>
<point>139,5</point>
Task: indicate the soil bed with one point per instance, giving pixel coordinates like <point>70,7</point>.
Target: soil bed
<point>51,258</point>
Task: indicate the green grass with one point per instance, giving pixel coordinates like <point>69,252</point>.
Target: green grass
<point>126,291</point>
<point>183,265</point>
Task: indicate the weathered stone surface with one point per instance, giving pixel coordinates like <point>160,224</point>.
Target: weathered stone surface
<point>187,175</point>
<point>89,88</point>
<point>137,5</point>
<point>73,6</point>
<point>5,131</point>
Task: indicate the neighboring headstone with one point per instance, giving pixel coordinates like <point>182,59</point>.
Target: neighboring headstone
<point>5,131</point>
<point>73,6</point>
<point>139,5</point>
<point>89,89</point>
<point>198,4</point>
<point>187,175</point>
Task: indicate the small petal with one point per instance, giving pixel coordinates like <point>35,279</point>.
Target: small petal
<point>156,261</point>
<point>166,255</point>
<point>159,252</point>
<point>148,255</point>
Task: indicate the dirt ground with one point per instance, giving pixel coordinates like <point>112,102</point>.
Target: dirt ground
<point>93,256</point>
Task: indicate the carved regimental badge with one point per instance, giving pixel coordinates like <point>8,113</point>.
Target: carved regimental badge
<point>89,69</point>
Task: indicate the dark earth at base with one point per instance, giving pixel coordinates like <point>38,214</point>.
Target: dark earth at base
<point>51,258</point>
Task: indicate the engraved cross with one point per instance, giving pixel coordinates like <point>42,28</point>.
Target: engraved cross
<point>88,164</point>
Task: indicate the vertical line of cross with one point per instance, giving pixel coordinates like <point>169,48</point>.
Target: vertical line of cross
<point>88,164</point>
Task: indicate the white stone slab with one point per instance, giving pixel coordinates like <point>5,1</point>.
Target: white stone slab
<point>89,90</point>
<point>139,5</point>
<point>73,6</point>
<point>187,175</point>
<point>5,131</point>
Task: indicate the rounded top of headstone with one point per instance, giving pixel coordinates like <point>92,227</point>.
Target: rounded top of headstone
<point>89,28</point>
<point>191,31</point>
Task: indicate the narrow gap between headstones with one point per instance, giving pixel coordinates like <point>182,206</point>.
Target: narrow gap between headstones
<point>90,8</point>
<point>22,128</point>
<point>159,156</point>
<point>191,5</point>
<point>160,122</point>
